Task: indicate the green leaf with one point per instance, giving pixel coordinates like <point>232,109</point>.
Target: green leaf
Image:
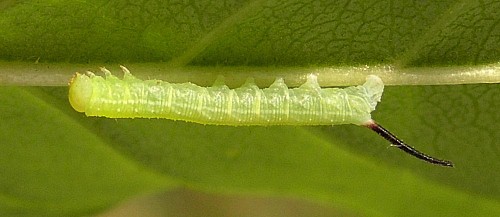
<point>56,162</point>
<point>51,165</point>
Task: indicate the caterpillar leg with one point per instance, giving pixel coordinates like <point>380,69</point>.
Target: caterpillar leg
<point>403,146</point>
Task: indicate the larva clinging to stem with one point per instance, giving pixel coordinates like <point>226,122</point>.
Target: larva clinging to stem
<point>247,105</point>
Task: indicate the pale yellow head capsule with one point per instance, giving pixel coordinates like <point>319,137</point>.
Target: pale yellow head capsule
<point>80,91</point>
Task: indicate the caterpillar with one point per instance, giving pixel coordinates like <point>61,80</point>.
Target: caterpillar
<point>247,105</point>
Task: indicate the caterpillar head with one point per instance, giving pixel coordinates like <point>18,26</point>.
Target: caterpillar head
<point>80,91</point>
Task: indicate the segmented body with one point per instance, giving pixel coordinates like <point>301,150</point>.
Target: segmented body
<point>308,104</point>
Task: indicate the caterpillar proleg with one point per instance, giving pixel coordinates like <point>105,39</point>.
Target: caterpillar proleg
<point>247,105</point>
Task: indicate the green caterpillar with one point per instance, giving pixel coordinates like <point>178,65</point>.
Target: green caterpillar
<point>247,105</point>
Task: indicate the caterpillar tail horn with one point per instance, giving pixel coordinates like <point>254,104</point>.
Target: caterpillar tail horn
<point>403,146</point>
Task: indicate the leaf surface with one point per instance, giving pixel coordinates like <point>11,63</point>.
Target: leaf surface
<point>55,162</point>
